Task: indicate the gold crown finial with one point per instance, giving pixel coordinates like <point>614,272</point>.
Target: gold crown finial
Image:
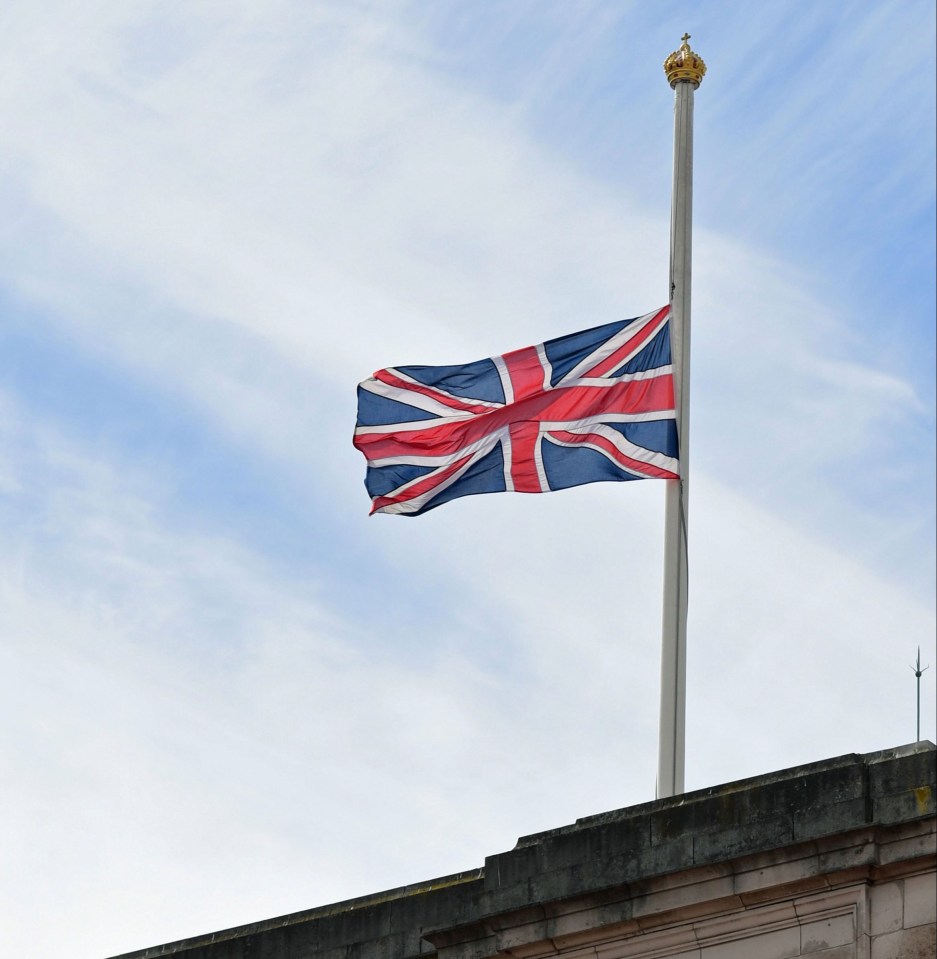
<point>684,64</point>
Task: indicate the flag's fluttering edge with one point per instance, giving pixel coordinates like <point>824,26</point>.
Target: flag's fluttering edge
<point>591,406</point>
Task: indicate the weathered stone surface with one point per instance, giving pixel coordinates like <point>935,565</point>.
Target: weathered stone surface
<point>917,943</point>
<point>920,900</point>
<point>887,907</point>
<point>827,933</point>
<point>621,877</point>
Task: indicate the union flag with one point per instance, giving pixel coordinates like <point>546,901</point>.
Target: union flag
<point>583,408</point>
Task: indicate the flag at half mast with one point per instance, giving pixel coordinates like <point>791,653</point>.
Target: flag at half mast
<point>584,408</point>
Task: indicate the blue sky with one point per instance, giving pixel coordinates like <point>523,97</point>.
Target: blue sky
<point>228,693</point>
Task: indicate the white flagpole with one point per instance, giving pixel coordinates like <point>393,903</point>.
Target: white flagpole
<point>684,70</point>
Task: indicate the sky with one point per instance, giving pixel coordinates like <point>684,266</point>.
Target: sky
<point>226,692</point>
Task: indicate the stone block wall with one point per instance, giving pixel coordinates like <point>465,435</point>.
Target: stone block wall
<point>836,859</point>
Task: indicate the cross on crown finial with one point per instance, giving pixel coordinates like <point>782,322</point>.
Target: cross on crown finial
<point>684,65</point>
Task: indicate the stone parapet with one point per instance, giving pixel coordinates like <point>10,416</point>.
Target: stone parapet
<point>832,859</point>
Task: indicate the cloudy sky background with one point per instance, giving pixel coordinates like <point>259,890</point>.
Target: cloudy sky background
<point>227,693</point>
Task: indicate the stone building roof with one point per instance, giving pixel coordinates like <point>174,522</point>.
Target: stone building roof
<point>631,872</point>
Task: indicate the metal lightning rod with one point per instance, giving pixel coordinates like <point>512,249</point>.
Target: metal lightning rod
<point>917,672</point>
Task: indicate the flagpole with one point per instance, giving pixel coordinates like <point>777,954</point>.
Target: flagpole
<point>684,70</point>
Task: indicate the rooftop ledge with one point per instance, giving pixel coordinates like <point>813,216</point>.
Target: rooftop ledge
<point>602,853</point>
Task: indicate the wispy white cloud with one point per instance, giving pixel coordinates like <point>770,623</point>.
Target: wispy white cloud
<point>170,691</point>
<point>238,212</point>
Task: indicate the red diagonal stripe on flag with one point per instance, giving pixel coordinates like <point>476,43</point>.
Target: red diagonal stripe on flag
<point>447,399</point>
<point>612,451</point>
<point>420,486</point>
<point>631,345</point>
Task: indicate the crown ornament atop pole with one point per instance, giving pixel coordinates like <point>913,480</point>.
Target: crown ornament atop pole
<point>684,65</point>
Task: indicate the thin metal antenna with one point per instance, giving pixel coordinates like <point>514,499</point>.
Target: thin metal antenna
<point>917,672</point>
